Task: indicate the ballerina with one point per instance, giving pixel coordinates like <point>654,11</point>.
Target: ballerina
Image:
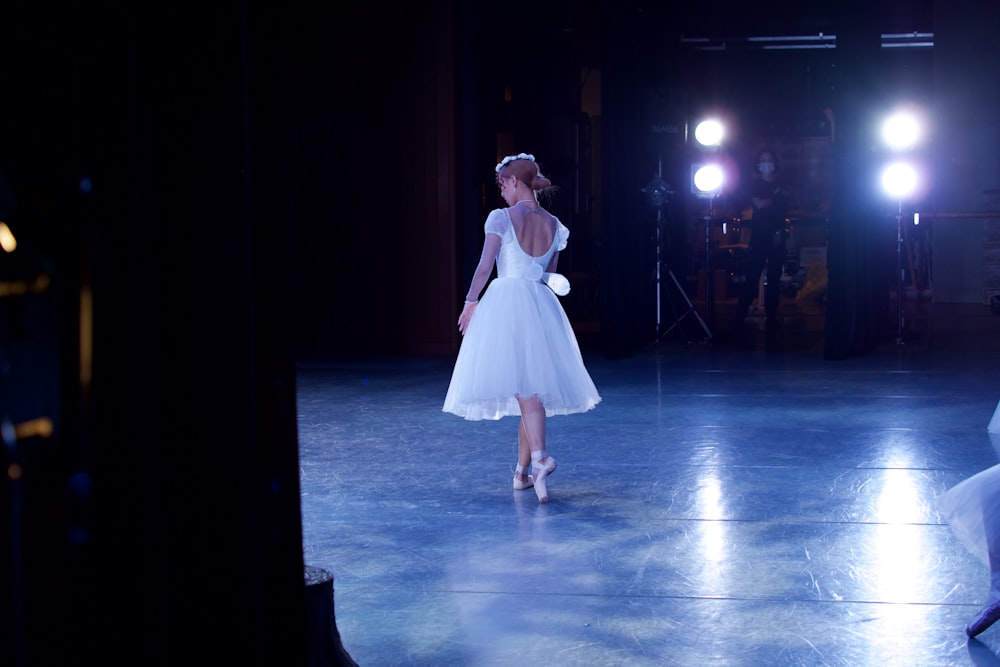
<point>519,355</point>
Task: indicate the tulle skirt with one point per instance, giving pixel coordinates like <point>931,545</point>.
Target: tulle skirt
<point>972,509</point>
<point>519,344</point>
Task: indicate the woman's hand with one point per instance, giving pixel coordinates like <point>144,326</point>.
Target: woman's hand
<point>466,316</point>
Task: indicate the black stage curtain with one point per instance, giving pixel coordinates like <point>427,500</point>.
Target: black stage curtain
<point>852,308</point>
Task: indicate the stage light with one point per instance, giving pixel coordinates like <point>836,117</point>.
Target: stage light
<point>902,133</point>
<point>709,132</point>
<point>8,242</point>
<point>902,130</point>
<point>707,179</point>
<point>899,180</point>
<point>708,171</point>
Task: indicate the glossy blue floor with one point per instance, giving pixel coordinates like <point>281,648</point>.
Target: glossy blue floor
<point>743,504</point>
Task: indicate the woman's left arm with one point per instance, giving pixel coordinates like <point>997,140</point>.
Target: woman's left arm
<point>553,263</point>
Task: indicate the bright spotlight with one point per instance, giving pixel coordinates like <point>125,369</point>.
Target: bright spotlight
<point>709,132</point>
<point>901,131</point>
<point>8,242</point>
<point>899,180</point>
<point>707,179</point>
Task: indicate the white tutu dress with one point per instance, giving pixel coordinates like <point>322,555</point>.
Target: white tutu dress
<point>519,342</point>
<point>972,509</point>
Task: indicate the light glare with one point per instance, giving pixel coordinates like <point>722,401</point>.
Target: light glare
<point>901,131</point>
<point>8,243</point>
<point>709,132</point>
<point>708,178</point>
<point>899,180</point>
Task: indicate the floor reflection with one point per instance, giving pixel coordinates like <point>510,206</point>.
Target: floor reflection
<point>724,505</point>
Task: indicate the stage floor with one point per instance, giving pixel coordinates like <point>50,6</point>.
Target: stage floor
<point>737,504</point>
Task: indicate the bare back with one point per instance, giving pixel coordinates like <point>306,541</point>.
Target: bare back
<point>534,227</point>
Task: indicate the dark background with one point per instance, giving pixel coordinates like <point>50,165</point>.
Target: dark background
<point>204,195</point>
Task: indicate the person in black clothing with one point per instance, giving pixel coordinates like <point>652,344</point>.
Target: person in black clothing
<point>769,201</point>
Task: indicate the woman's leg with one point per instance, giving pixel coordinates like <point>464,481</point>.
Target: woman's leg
<point>533,421</point>
<point>772,291</point>
<point>755,260</point>
<point>522,480</point>
<point>532,424</point>
<point>523,449</point>
<point>990,613</point>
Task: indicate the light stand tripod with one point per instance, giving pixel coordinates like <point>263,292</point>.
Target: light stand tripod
<point>658,193</point>
<point>901,334</point>
<point>709,273</point>
<point>689,307</point>
<point>899,274</point>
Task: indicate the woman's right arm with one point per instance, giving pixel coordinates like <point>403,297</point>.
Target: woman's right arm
<point>491,248</point>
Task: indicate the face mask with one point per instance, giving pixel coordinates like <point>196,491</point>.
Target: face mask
<point>766,167</point>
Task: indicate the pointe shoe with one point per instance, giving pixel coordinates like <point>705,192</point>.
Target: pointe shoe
<point>986,617</point>
<point>542,472</point>
<point>523,484</point>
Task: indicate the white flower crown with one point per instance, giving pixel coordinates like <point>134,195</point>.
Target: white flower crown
<point>510,158</point>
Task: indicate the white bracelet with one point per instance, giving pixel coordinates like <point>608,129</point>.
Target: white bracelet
<point>468,302</point>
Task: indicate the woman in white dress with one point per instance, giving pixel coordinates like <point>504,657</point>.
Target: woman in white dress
<point>972,509</point>
<point>519,355</point>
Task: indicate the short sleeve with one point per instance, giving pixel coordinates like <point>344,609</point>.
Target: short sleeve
<point>562,235</point>
<point>497,222</point>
